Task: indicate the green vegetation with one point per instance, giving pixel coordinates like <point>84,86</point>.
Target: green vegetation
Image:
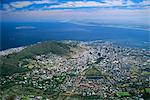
<point>92,72</point>
<point>123,94</point>
<point>9,63</point>
<point>145,73</point>
<point>59,79</point>
<point>134,70</point>
<point>147,90</point>
<point>42,87</point>
<point>24,98</point>
<point>80,97</point>
<point>146,93</point>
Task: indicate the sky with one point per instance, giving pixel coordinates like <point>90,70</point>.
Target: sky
<point>106,11</point>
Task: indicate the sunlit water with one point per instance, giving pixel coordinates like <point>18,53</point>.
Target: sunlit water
<point>20,34</point>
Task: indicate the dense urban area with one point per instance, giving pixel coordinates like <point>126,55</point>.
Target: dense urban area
<point>75,70</point>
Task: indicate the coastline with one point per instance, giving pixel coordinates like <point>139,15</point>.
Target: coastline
<point>11,50</point>
<point>18,49</point>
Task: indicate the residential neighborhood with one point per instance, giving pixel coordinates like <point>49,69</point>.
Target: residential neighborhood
<point>102,70</point>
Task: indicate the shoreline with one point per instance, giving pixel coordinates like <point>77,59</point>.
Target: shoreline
<point>20,48</point>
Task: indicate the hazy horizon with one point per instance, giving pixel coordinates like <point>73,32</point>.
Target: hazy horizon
<point>135,12</point>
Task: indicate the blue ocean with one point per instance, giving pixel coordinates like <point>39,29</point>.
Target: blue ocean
<point>21,34</point>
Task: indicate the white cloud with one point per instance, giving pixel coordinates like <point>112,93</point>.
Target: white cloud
<point>129,2</point>
<point>145,2</point>
<point>119,2</point>
<point>117,16</point>
<point>106,3</point>
<point>20,4</point>
<point>44,1</point>
<point>75,4</point>
<point>114,2</point>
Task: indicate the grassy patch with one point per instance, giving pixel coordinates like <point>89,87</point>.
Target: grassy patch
<point>147,90</point>
<point>9,63</point>
<point>145,73</point>
<point>92,72</point>
<point>123,94</point>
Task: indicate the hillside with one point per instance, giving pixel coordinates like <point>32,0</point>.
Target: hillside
<point>91,72</point>
<point>9,63</point>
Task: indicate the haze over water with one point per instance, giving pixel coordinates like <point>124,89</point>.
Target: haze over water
<point>20,34</point>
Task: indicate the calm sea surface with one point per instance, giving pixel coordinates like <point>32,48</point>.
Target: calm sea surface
<point>20,34</point>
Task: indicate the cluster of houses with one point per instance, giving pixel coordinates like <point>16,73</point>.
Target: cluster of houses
<point>121,70</point>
